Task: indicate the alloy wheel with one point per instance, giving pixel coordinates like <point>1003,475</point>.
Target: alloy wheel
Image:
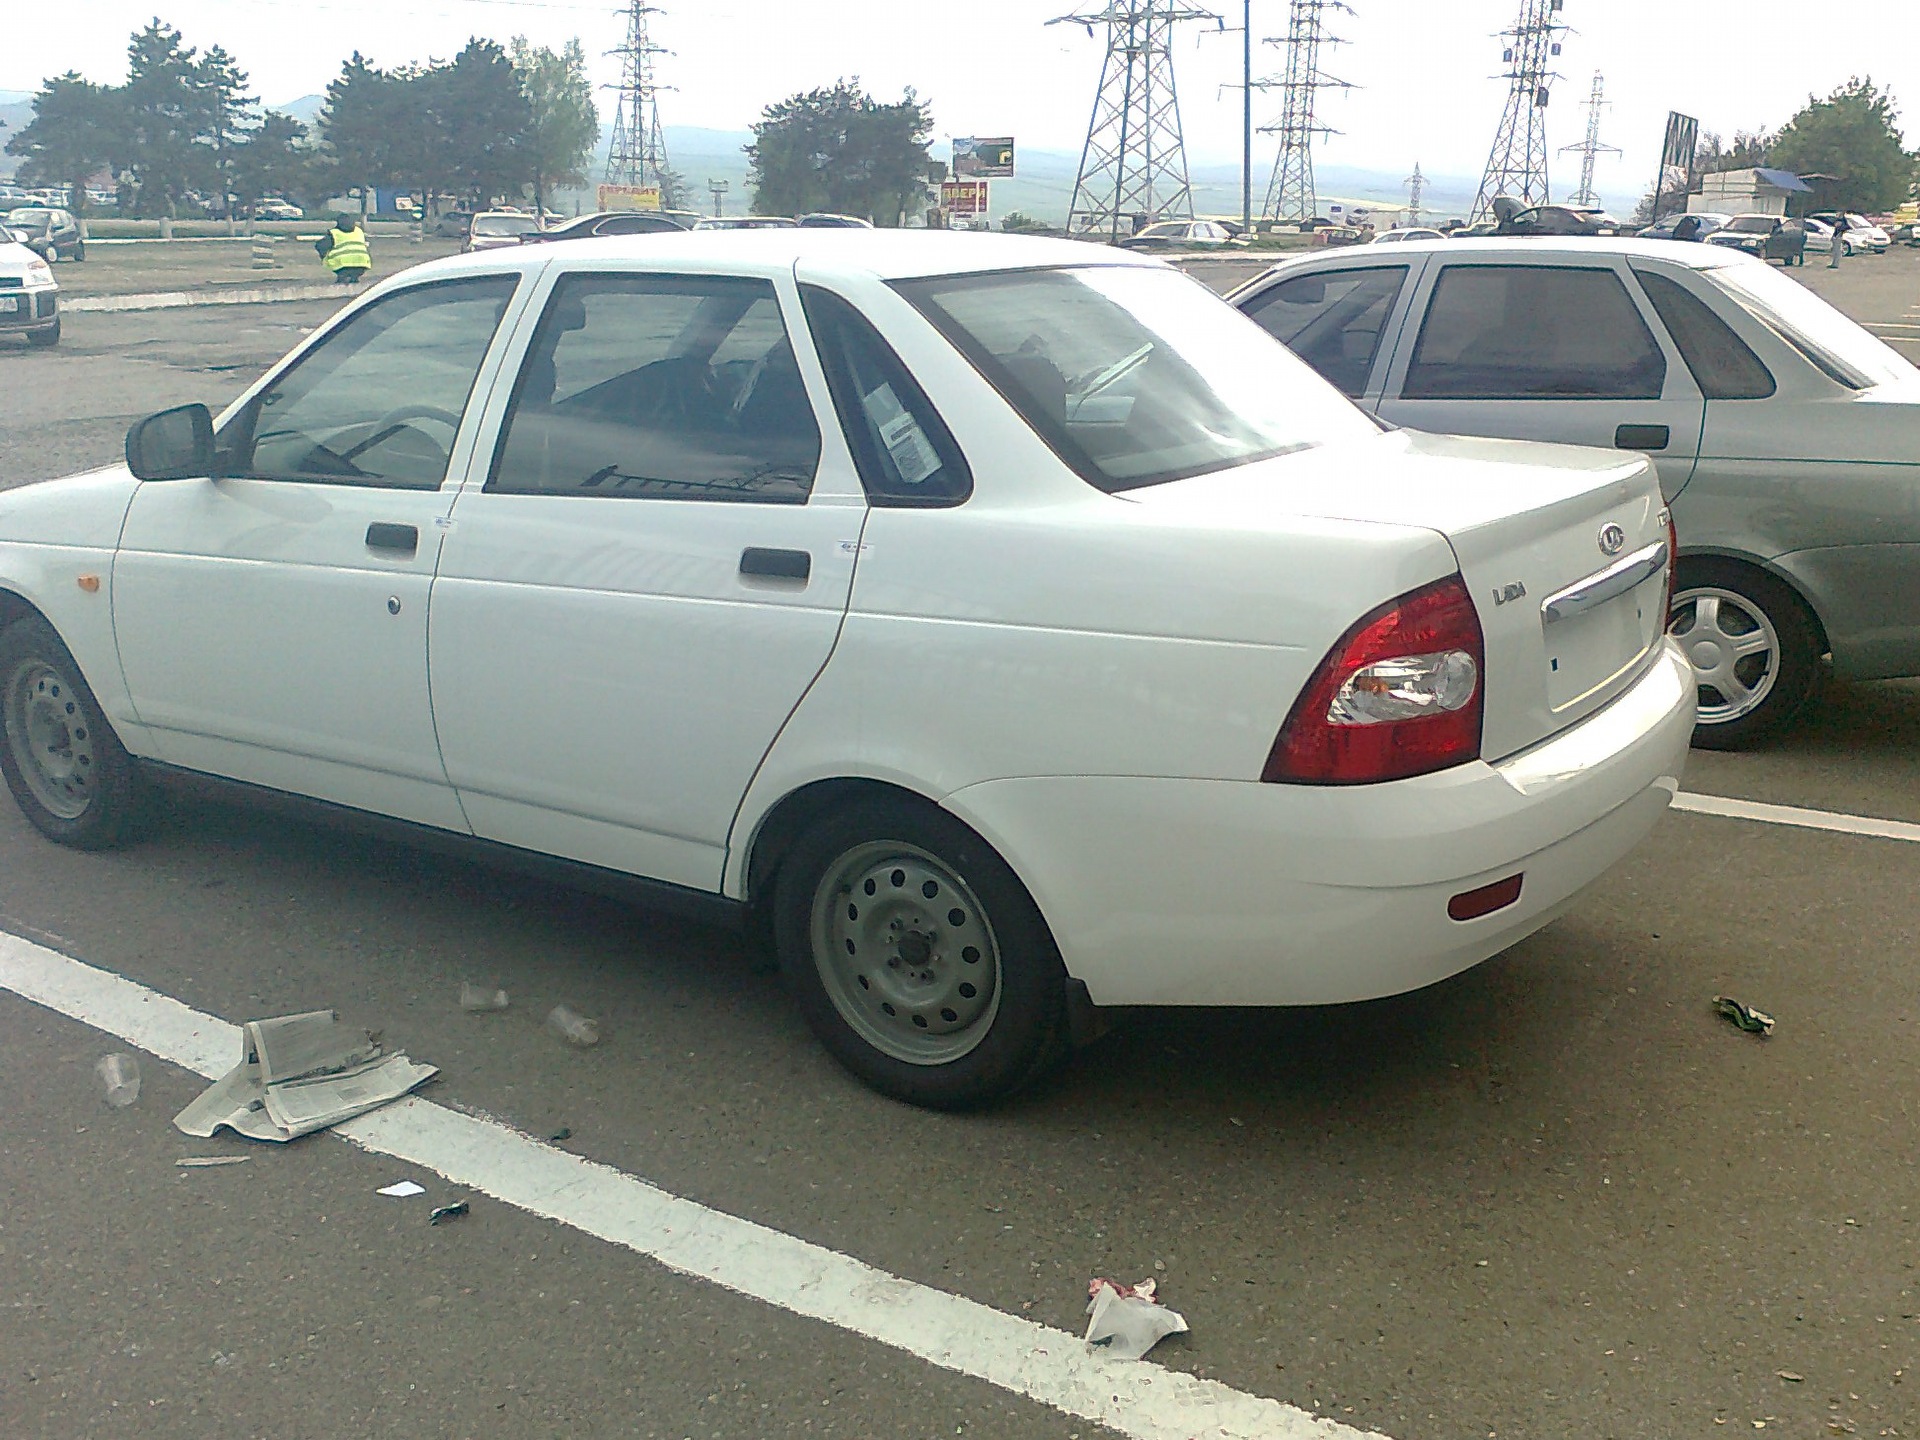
<point>1734,649</point>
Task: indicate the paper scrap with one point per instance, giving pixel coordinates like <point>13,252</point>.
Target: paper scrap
<point>298,1074</point>
<point>207,1162</point>
<point>402,1189</point>
<point>1127,1321</point>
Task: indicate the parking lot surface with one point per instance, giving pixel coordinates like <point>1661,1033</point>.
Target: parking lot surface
<point>1556,1196</point>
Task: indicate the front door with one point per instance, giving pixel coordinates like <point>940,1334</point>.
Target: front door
<point>653,573</point>
<point>272,623</point>
<point>1546,351</point>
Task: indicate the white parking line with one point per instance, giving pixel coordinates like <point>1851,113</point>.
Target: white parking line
<point>1135,1398</point>
<point>1793,815</point>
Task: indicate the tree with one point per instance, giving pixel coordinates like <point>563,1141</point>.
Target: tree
<point>1851,135</point>
<point>225,112</point>
<point>563,126</point>
<point>73,135</point>
<point>843,151</point>
<point>274,159</point>
<point>1748,151</point>
<point>357,126</point>
<point>164,118</point>
<point>485,118</point>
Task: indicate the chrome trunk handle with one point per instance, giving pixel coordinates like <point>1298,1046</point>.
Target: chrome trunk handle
<point>1604,585</point>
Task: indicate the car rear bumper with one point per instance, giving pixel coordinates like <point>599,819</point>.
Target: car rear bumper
<point>1199,892</point>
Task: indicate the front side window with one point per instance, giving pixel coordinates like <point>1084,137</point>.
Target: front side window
<point>1134,375</point>
<point>380,400</point>
<point>1533,332</point>
<point>660,387</point>
<point>1334,320</point>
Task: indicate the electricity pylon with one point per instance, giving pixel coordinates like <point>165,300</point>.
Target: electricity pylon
<point>1416,184</point>
<point>1517,164</point>
<point>1290,193</point>
<point>1591,148</point>
<point>638,155</point>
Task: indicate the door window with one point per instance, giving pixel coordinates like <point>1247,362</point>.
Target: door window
<point>380,400</point>
<point>1723,364</point>
<point>903,450</point>
<point>1533,332</point>
<point>1333,320</point>
<point>660,387</point>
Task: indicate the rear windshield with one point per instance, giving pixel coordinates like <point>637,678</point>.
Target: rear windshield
<point>1827,338</point>
<point>1753,225</point>
<point>1135,376</point>
<point>505,225</point>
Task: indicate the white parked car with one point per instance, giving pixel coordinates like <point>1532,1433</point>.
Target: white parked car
<point>1410,232</point>
<point>1011,624</point>
<point>1860,234</point>
<point>499,229</point>
<point>1787,437</point>
<point>29,295</point>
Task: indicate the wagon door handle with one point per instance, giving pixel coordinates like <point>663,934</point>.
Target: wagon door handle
<point>1641,437</point>
<point>776,564</point>
<point>384,535</point>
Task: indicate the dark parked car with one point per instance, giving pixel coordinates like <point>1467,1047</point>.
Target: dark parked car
<point>1512,218</point>
<point>453,224</point>
<point>1768,236</point>
<point>609,222</point>
<point>52,234</point>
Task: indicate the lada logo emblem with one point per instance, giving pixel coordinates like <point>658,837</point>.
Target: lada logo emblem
<point>1612,539</point>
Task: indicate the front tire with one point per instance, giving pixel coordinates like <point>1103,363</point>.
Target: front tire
<point>918,958</point>
<point>45,339</point>
<point>1754,647</point>
<point>66,768</point>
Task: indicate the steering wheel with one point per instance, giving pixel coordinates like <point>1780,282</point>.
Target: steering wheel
<point>418,412</point>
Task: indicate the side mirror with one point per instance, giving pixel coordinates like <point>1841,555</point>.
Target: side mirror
<point>173,445</point>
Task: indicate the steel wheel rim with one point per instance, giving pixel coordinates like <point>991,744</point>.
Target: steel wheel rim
<point>914,971</point>
<point>1733,647</point>
<point>50,740</point>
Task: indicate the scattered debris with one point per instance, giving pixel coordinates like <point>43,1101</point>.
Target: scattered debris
<point>121,1076</point>
<point>1754,1022</point>
<point>1127,1320</point>
<point>573,1027</point>
<point>480,998</point>
<point>1790,1377</point>
<point>565,1132</point>
<point>448,1212</point>
<point>298,1074</point>
<point>207,1162</point>
<point>401,1189</point>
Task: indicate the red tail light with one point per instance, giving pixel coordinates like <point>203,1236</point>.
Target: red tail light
<point>1399,695</point>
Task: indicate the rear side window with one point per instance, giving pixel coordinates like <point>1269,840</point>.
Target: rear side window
<point>904,451</point>
<point>1723,364</point>
<point>1533,332</point>
<point>1333,321</point>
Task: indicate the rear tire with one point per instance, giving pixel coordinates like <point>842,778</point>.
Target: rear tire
<point>1754,647</point>
<point>918,958</point>
<point>66,768</point>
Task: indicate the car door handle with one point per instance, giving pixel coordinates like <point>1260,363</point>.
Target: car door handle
<point>777,564</point>
<point>385,535</point>
<point>1641,437</point>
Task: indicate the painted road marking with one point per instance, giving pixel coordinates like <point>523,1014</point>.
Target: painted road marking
<point>1135,1398</point>
<point>1793,815</point>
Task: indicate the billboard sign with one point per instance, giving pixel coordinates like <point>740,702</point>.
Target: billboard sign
<point>975,159</point>
<point>629,197</point>
<point>1677,156</point>
<point>964,197</point>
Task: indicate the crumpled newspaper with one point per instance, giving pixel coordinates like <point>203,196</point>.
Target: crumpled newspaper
<point>1754,1022</point>
<point>1126,1320</point>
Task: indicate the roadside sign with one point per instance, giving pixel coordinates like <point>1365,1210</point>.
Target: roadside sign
<point>976,159</point>
<point>964,197</point>
<point>629,197</point>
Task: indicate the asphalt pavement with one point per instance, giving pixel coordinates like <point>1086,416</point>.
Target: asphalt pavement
<point>1556,1196</point>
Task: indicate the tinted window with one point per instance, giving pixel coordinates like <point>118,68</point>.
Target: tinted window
<point>1333,321</point>
<point>379,401</point>
<point>660,387</point>
<point>1134,375</point>
<point>1533,332</point>
<point>905,453</point>
<point>1721,362</point>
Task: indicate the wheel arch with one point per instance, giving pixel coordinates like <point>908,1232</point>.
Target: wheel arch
<point>787,819</point>
<point>1772,572</point>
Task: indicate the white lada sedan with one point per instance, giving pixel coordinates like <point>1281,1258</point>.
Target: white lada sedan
<point>1012,625</point>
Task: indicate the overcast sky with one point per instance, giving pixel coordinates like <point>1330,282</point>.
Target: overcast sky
<point>993,67</point>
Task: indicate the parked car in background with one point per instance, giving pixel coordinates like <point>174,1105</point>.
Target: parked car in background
<point>1861,234</point>
<point>453,224</point>
<point>608,222</point>
<point>29,295</point>
<point>1705,221</point>
<point>1787,438</point>
<point>274,208</point>
<point>1768,236</point>
<point>821,220</point>
<point>1214,647</point>
<point>745,222</point>
<point>1411,232</point>
<point>1179,235</point>
<point>50,232</point>
<point>1512,218</point>
<point>497,229</point>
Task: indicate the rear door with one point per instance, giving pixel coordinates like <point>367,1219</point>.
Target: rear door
<point>1561,348</point>
<point>647,571</point>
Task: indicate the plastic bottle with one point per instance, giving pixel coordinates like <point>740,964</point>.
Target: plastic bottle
<point>573,1027</point>
<point>121,1075</point>
<point>479,997</point>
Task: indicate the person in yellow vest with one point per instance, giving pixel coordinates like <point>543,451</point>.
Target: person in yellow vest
<point>346,253</point>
